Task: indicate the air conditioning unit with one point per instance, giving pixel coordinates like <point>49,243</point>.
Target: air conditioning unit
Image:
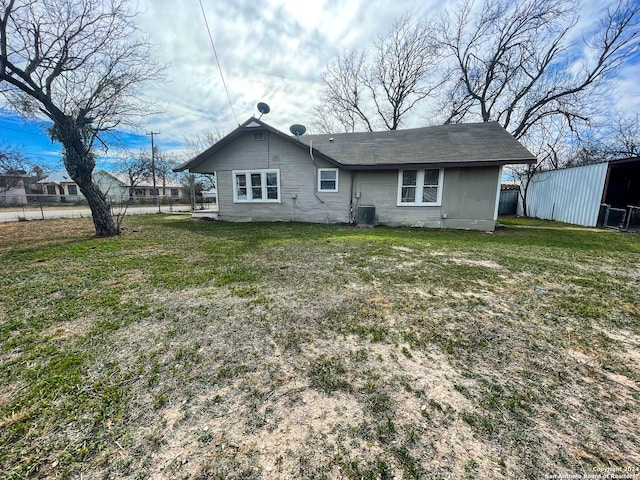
<point>366,215</point>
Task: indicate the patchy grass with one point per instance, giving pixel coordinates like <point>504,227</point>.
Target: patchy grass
<point>208,350</point>
<point>532,222</point>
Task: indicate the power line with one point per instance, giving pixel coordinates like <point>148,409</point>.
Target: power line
<point>218,62</point>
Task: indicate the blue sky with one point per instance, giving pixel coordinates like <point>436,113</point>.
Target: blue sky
<point>275,53</point>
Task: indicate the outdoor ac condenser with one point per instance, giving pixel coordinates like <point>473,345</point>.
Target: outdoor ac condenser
<point>366,215</point>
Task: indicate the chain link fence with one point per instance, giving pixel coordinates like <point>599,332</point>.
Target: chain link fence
<point>17,207</point>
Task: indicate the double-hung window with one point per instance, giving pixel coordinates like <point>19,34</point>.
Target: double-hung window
<point>422,186</point>
<point>327,179</point>
<point>256,186</point>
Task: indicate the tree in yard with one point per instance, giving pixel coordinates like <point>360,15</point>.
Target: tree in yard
<point>362,92</point>
<point>79,63</point>
<point>619,139</point>
<point>12,161</point>
<point>13,168</point>
<point>513,62</point>
<point>137,168</point>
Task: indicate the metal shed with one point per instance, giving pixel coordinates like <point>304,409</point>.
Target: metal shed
<point>575,195</point>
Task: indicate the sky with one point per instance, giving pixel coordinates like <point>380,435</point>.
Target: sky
<point>272,51</point>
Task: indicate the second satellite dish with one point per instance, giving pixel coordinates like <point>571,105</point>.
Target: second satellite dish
<point>263,108</point>
<point>297,129</point>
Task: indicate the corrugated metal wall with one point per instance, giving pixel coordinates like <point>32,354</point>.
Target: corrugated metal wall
<point>571,195</point>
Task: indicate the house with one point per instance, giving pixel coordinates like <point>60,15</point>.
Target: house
<point>119,187</point>
<point>441,177</point>
<point>59,187</point>
<point>586,194</point>
<point>116,186</point>
<point>12,187</point>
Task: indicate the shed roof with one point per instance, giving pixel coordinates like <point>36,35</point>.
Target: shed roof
<point>464,145</point>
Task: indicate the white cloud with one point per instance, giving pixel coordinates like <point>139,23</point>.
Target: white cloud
<point>273,51</point>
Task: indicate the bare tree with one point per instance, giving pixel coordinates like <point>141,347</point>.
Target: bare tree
<point>13,170</point>
<point>12,160</point>
<point>625,139</point>
<point>362,92</point>
<point>196,183</point>
<point>79,63</point>
<point>512,63</point>
<point>137,168</point>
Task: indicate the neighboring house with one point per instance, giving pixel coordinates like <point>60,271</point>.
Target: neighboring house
<point>441,177</point>
<point>576,195</point>
<point>12,188</point>
<point>118,187</point>
<point>61,188</point>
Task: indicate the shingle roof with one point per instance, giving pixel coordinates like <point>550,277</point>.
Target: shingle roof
<point>445,145</point>
<point>469,144</point>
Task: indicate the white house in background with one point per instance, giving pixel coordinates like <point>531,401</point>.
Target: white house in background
<point>61,188</point>
<point>118,187</point>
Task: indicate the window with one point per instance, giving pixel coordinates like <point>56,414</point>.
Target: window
<point>51,190</point>
<point>175,192</point>
<point>420,187</point>
<point>73,190</point>
<point>327,179</point>
<point>256,186</point>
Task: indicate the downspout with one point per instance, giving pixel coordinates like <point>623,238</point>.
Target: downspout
<point>315,172</point>
<point>351,211</point>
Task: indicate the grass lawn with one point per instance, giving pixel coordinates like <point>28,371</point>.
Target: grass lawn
<point>203,350</point>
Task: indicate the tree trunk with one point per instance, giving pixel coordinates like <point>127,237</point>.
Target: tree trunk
<point>100,210</point>
<point>524,191</point>
<point>79,162</point>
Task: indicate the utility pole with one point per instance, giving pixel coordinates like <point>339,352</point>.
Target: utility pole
<point>153,167</point>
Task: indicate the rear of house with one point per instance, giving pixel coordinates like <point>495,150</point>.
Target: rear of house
<point>437,177</point>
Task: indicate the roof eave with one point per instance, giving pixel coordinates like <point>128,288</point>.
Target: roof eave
<point>397,166</point>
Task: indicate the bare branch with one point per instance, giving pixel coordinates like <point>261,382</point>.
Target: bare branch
<point>80,63</point>
<point>363,93</point>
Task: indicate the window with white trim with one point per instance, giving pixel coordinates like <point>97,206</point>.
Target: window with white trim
<point>256,186</point>
<point>327,179</point>
<point>422,186</point>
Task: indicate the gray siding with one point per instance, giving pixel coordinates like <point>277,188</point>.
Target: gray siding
<point>380,189</point>
<point>469,197</point>
<point>299,199</point>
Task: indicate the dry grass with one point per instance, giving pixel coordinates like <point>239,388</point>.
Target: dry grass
<point>207,350</point>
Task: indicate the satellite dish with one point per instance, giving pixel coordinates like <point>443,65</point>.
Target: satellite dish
<point>263,108</point>
<point>297,129</point>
